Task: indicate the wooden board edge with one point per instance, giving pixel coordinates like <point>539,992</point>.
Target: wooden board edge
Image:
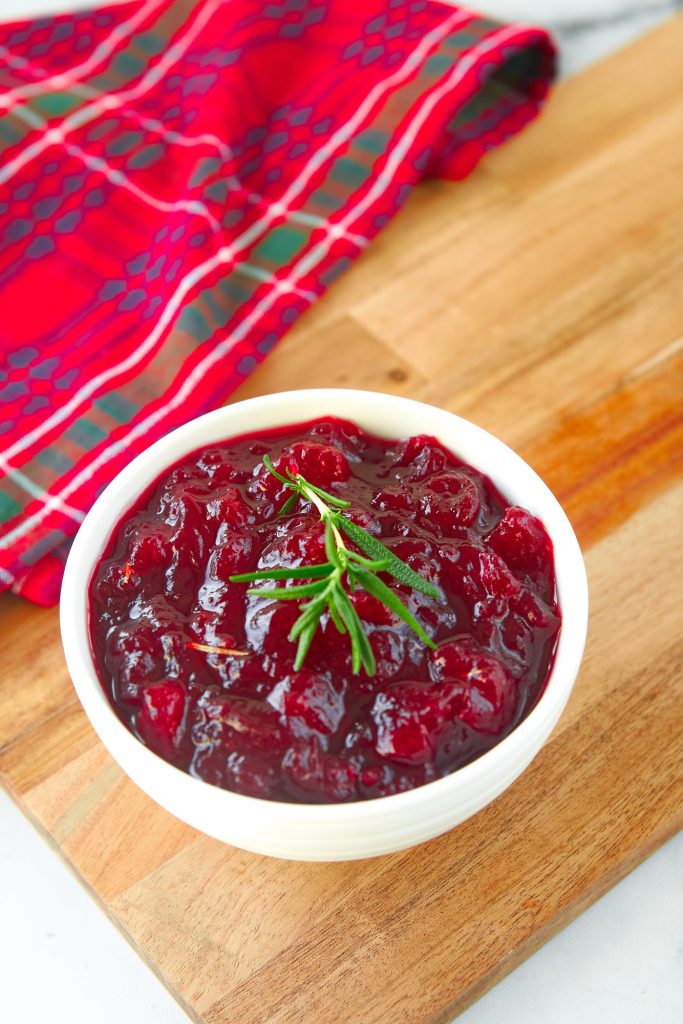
<point>555,925</point>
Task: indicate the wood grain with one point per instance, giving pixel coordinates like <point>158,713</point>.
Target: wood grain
<point>541,298</point>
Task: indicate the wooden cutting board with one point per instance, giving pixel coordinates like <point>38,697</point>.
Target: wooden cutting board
<point>542,298</point>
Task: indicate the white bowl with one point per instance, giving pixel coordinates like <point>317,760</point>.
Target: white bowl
<point>328,832</point>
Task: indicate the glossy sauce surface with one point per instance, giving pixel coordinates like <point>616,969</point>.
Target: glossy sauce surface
<point>240,717</point>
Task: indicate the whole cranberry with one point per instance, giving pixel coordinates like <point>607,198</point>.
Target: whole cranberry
<point>134,657</point>
<point>412,718</point>
<point>423,456</point>
<point>322,776</point>
<point>236,723</point>
<point>233,555</point>
<point>149,546</point>
<point>311,700</point>
<point>488,688</point>
<point>321,464</point>
<point>229,509</point>
<point>160,717</point>
<point>267,627</point>
<point>478,575</point>
<point>388,646</point>
<point>395,499</point>
<point>521,540</point>
<point>450,502</point>
<point>528,623</point>
<point>217,463</point>
<point>301,541</point>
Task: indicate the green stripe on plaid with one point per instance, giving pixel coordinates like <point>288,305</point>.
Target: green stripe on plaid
<point>9,506</point>
<point>124,67</point>
<point>356,167</point>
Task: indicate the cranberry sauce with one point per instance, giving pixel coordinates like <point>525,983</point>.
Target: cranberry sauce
<point>203,674</point>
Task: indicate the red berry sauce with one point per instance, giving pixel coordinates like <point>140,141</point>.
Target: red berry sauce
<point>241,717</point>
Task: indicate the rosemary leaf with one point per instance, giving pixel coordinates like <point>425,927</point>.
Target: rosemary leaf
<point>376,566</point>
<point>331,544</point>
<point>289,505</point>
<point>288,593</point>
<point>395,567</point>
<point>331,498</point>
<point>377,588</point>
<point>361,651</point>
<point>310,612</point>
<point>267,462</point>
<point>334,615</point>
<point>305,640</point>
<point>300,572</point>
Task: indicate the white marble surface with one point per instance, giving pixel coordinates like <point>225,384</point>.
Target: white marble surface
<point>621,962</point>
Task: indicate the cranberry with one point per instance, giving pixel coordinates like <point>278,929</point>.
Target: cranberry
<point>242,771</point>
<point>229,508</point>
<point>321,464</point>
<point>112,583</point>
<point>395,499</point>
<point>449,503</point>
<point>149,551</point>
<point>161,715</point>
<point>134,656</point>
<point>216,464</point>
<point>267,627</point>
<point>233,556</point>
<point>527,620</point>
<point>311,700</point>
<point>361,517</point>
<point>388,646</point>
<point>321,775</point>
<point>301,542</point>
<point>423,456</point>
<point>251,775</point>
<point>372,610</point>
<point>488,689</point>
<point>236,723</point>
<point>172,500</point>
<point>148,546</point>
<point>182,576</point>
<point>411,719</point>
<point>478,575</point>
<point>522,541</point>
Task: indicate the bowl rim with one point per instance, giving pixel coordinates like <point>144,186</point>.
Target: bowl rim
<point>100,521</point>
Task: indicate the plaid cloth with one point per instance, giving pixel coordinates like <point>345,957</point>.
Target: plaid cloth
<point>180,180</point>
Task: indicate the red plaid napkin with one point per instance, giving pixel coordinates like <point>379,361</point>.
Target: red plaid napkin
<point>181,179</point>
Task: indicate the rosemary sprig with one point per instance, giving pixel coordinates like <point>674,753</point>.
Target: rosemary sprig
<point>326,590</point>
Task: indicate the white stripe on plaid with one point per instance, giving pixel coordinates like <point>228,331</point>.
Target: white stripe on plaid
<point>66,78</point>
<point>116,177</point>
<point>36,491</point>
<point>226,254</point>
<point>114,100</point>
<point>266,303</point>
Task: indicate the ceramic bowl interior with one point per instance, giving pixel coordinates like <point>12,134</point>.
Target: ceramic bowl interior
<point>328,832</point>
